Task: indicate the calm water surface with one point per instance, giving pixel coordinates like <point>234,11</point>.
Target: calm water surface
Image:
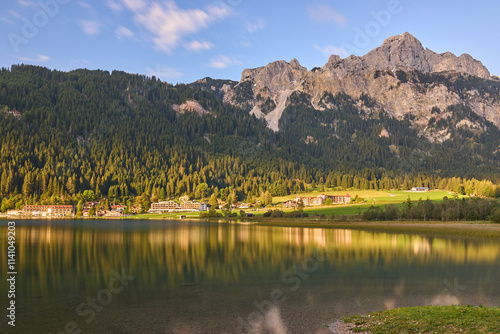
<point>191,277</point>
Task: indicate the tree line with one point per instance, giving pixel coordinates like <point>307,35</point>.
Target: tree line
<point>118,136</point>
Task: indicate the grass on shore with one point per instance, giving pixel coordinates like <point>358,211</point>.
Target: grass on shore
<point>378,196</point>
<point>371,197</point>
<point>430,319</point>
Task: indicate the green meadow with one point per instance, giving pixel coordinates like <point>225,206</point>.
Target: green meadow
<point>365,199</point>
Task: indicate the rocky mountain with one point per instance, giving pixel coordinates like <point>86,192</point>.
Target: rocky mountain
<point>400,78</point>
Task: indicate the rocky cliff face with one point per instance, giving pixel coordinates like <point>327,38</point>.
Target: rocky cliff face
<point>400,76</point>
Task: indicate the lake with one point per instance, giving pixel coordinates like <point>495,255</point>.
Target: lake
<point>146,276</point>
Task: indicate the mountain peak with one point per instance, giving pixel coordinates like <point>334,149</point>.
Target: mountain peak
<point>264,91</point>
<point>403,38</point>
<point>407,53</point>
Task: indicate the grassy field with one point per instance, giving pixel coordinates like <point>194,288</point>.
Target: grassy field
<point>429,319</point>
<point>370,197</point>
<point>377,196</point>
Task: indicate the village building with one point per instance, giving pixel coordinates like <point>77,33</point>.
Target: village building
<point>193,206</point>
<point>164,206</point>
<point>172,206</point>
<point>113,213</point>
<point>118,207</point>
<point>49,210</point>
<point>336,199</point>
<point>420,189</point>
<point>15,213</point>
<point>319,200</point>
<point>309,201</point>
<point>135,209</point>
<point>14,113</point>
<point>291,204</point>
<point>184,198</point>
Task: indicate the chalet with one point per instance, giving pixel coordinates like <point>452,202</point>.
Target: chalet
<point>243,206</point>
<point>119,208</point>
<point>184,198</point>
<point>291,204</point>
<point>90,204</point>
<point>113,213</point>
<point>135,209</point>
<point>14,113</point>
<point>164,206</point>
<point>15,213</point>
<point>420,189</point>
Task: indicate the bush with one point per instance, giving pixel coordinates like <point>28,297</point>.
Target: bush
<point>274,214</point>
<point>495,216</point>
<point>211,214</point>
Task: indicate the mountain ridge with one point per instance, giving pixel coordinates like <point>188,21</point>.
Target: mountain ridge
<point>392,75</point>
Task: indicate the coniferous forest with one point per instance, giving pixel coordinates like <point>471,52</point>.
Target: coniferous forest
<point>93,134</point>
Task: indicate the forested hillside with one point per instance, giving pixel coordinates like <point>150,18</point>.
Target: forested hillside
<point>120,135</point>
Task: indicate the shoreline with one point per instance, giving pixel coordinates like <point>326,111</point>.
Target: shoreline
<point>430,228</point>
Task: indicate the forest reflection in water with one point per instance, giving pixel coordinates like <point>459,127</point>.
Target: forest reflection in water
<point>192,272</point>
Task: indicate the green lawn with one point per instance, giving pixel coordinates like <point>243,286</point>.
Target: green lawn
<point>429,319</point>
<point>371,197</point>
<point>376,196</point>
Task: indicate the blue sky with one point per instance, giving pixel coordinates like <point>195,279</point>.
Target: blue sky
<point>182,41</point>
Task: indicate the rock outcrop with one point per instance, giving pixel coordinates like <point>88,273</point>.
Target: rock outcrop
<point>383,75</point>
<point>190,106</point>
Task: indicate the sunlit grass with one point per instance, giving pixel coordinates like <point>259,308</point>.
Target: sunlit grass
<point>428,319</point>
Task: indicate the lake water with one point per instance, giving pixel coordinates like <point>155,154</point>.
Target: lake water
<point>131,276</point>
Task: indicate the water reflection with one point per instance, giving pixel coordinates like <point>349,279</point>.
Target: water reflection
<point>188,271</point>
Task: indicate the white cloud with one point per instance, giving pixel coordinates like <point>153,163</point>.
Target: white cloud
<point>90,27</point>
<point>39,59</point>
<point>222,62</point>
<point>164,72</point>
<point>15,14</point>
<point>84,5</point>
<point>114,6</point>
<point>253,27</point>
<point>219,12</point>
<point>6,20</point>
<point>123,32</point>
<point>331,50</point>
<point>198,46</point>
<point>79,63</point>
<point>324,13</point>
<point>169,24</point>
<point>134,5</point>
<point>26,3</point>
